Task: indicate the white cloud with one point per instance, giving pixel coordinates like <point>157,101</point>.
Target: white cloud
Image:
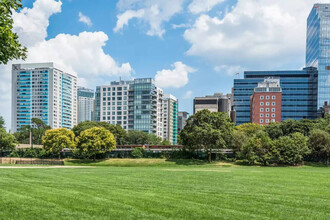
<point>199,6</point>
<point>175,78</point>
<point>254,34</point>
<point>31,23</point>
<point>82,53</point>
<point>154,13</point>
<point>188,94</point>
<point>123,19</point>
<point>176,26</point>
<point>85,19</point>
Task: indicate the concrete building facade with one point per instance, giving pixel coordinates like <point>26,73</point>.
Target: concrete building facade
<point>215,103</point>
<point>182,120</point>
<point>170,118</point>
<point>44,91</point>
<point>85,104</point>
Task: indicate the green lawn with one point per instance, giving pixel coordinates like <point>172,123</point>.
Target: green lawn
<point>155,189</point>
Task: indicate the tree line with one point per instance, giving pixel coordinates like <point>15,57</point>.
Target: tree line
<point>287,143</point>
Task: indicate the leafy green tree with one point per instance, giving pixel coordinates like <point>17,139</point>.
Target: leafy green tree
<point>137,137</point>
<point>119,133</point>
<point>7,141</point>
<point>258,149</point>
<point>55,140</point>
<point>10,48</point>
<point>95,141</point>
<point>38,130</point>
<point>207,131</point>
<point>2,122</point>
<point>290,150</point>
<point>319,142</point>
<point>152,139</point>
<point>165,142</point>
<point>249,128</point>
<point>274,130</point>
<point>292,126</point>
<point>239,141</point>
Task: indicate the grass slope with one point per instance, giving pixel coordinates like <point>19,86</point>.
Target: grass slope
<point>165,191</point>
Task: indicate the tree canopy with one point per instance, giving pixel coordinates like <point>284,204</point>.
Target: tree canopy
<point>55,140</point>
<point>95,141</point>
<point>207,131</point>
<point>7,141</point>
<point>10,47</point>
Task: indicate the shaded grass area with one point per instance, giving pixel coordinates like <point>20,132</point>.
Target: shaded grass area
<point>166,190</point>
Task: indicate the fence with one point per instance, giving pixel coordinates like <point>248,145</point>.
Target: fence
<point>15,160</point>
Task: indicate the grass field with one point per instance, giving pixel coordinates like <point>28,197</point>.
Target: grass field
<point>155,189</point>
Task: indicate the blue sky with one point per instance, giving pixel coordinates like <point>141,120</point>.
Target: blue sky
<point>192,47</point>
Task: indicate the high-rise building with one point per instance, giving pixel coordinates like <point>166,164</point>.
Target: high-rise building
<point>299,93</point>
<point>111,103</point>
<point>170,118</point>
<point>135,105</point>
<point>182,120</point>
<point>215,103</point>
<point>85,104</point>
<point>266,102</point>
<point>44,91</point>
<point>318,49</point>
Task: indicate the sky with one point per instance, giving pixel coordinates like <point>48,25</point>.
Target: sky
<point>190,47</point>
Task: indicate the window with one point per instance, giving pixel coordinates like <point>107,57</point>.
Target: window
<point>261,115</point>
<point>273,103</point>
<point>273,109</point>
<point>261,120</point>
<point>267,103</point>
<point>267,109</point>
<point>261,97</point>
<point>273,97</point>
<point>267,120</point>
<point>267,115</point>
<point>267,97</point>
<point>273,120</point>
<point>261,103</point>
<point>273,115</point>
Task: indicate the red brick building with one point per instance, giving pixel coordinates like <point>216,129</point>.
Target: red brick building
<point>266,102</point>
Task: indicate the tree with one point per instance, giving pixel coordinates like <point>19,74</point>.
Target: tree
<point>10,48</point>
<point>319,142</point>
<point>249,128</point>
<point>207,131</point>
<point>258,149</point>
<point>136,138</point>
<point>7,141</point>
<point>95,141</point>
<point>291,126</point>
<point>55,140</point>
<point>37,129</point>
<point>274,130</point>
<point>119,133</point>
<point>165,142</point>
<point>239,141</point>
<point>290,149</point>
<point>2,122</point>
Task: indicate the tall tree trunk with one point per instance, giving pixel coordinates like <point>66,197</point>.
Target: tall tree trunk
<point>94,158</point>
<point>209,156</point>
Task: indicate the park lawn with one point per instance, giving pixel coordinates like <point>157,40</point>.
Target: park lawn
<point>177,191</point>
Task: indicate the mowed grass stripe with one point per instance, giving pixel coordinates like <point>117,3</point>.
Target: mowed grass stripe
<point>154,193</point>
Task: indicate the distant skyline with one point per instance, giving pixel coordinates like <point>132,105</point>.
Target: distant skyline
<point>191,47</point>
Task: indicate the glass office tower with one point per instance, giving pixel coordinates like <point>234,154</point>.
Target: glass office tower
<point>318,49</point>
<point>85,104</point>
<point>299,93</point>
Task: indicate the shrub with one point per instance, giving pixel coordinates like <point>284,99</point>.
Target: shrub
<point>138,152</point>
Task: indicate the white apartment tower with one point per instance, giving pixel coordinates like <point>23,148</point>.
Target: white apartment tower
<point>45,91</point>
<point>170,118</point>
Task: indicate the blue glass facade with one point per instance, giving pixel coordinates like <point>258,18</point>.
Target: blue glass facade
<point>299,93</point>
<point>318,48</point>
